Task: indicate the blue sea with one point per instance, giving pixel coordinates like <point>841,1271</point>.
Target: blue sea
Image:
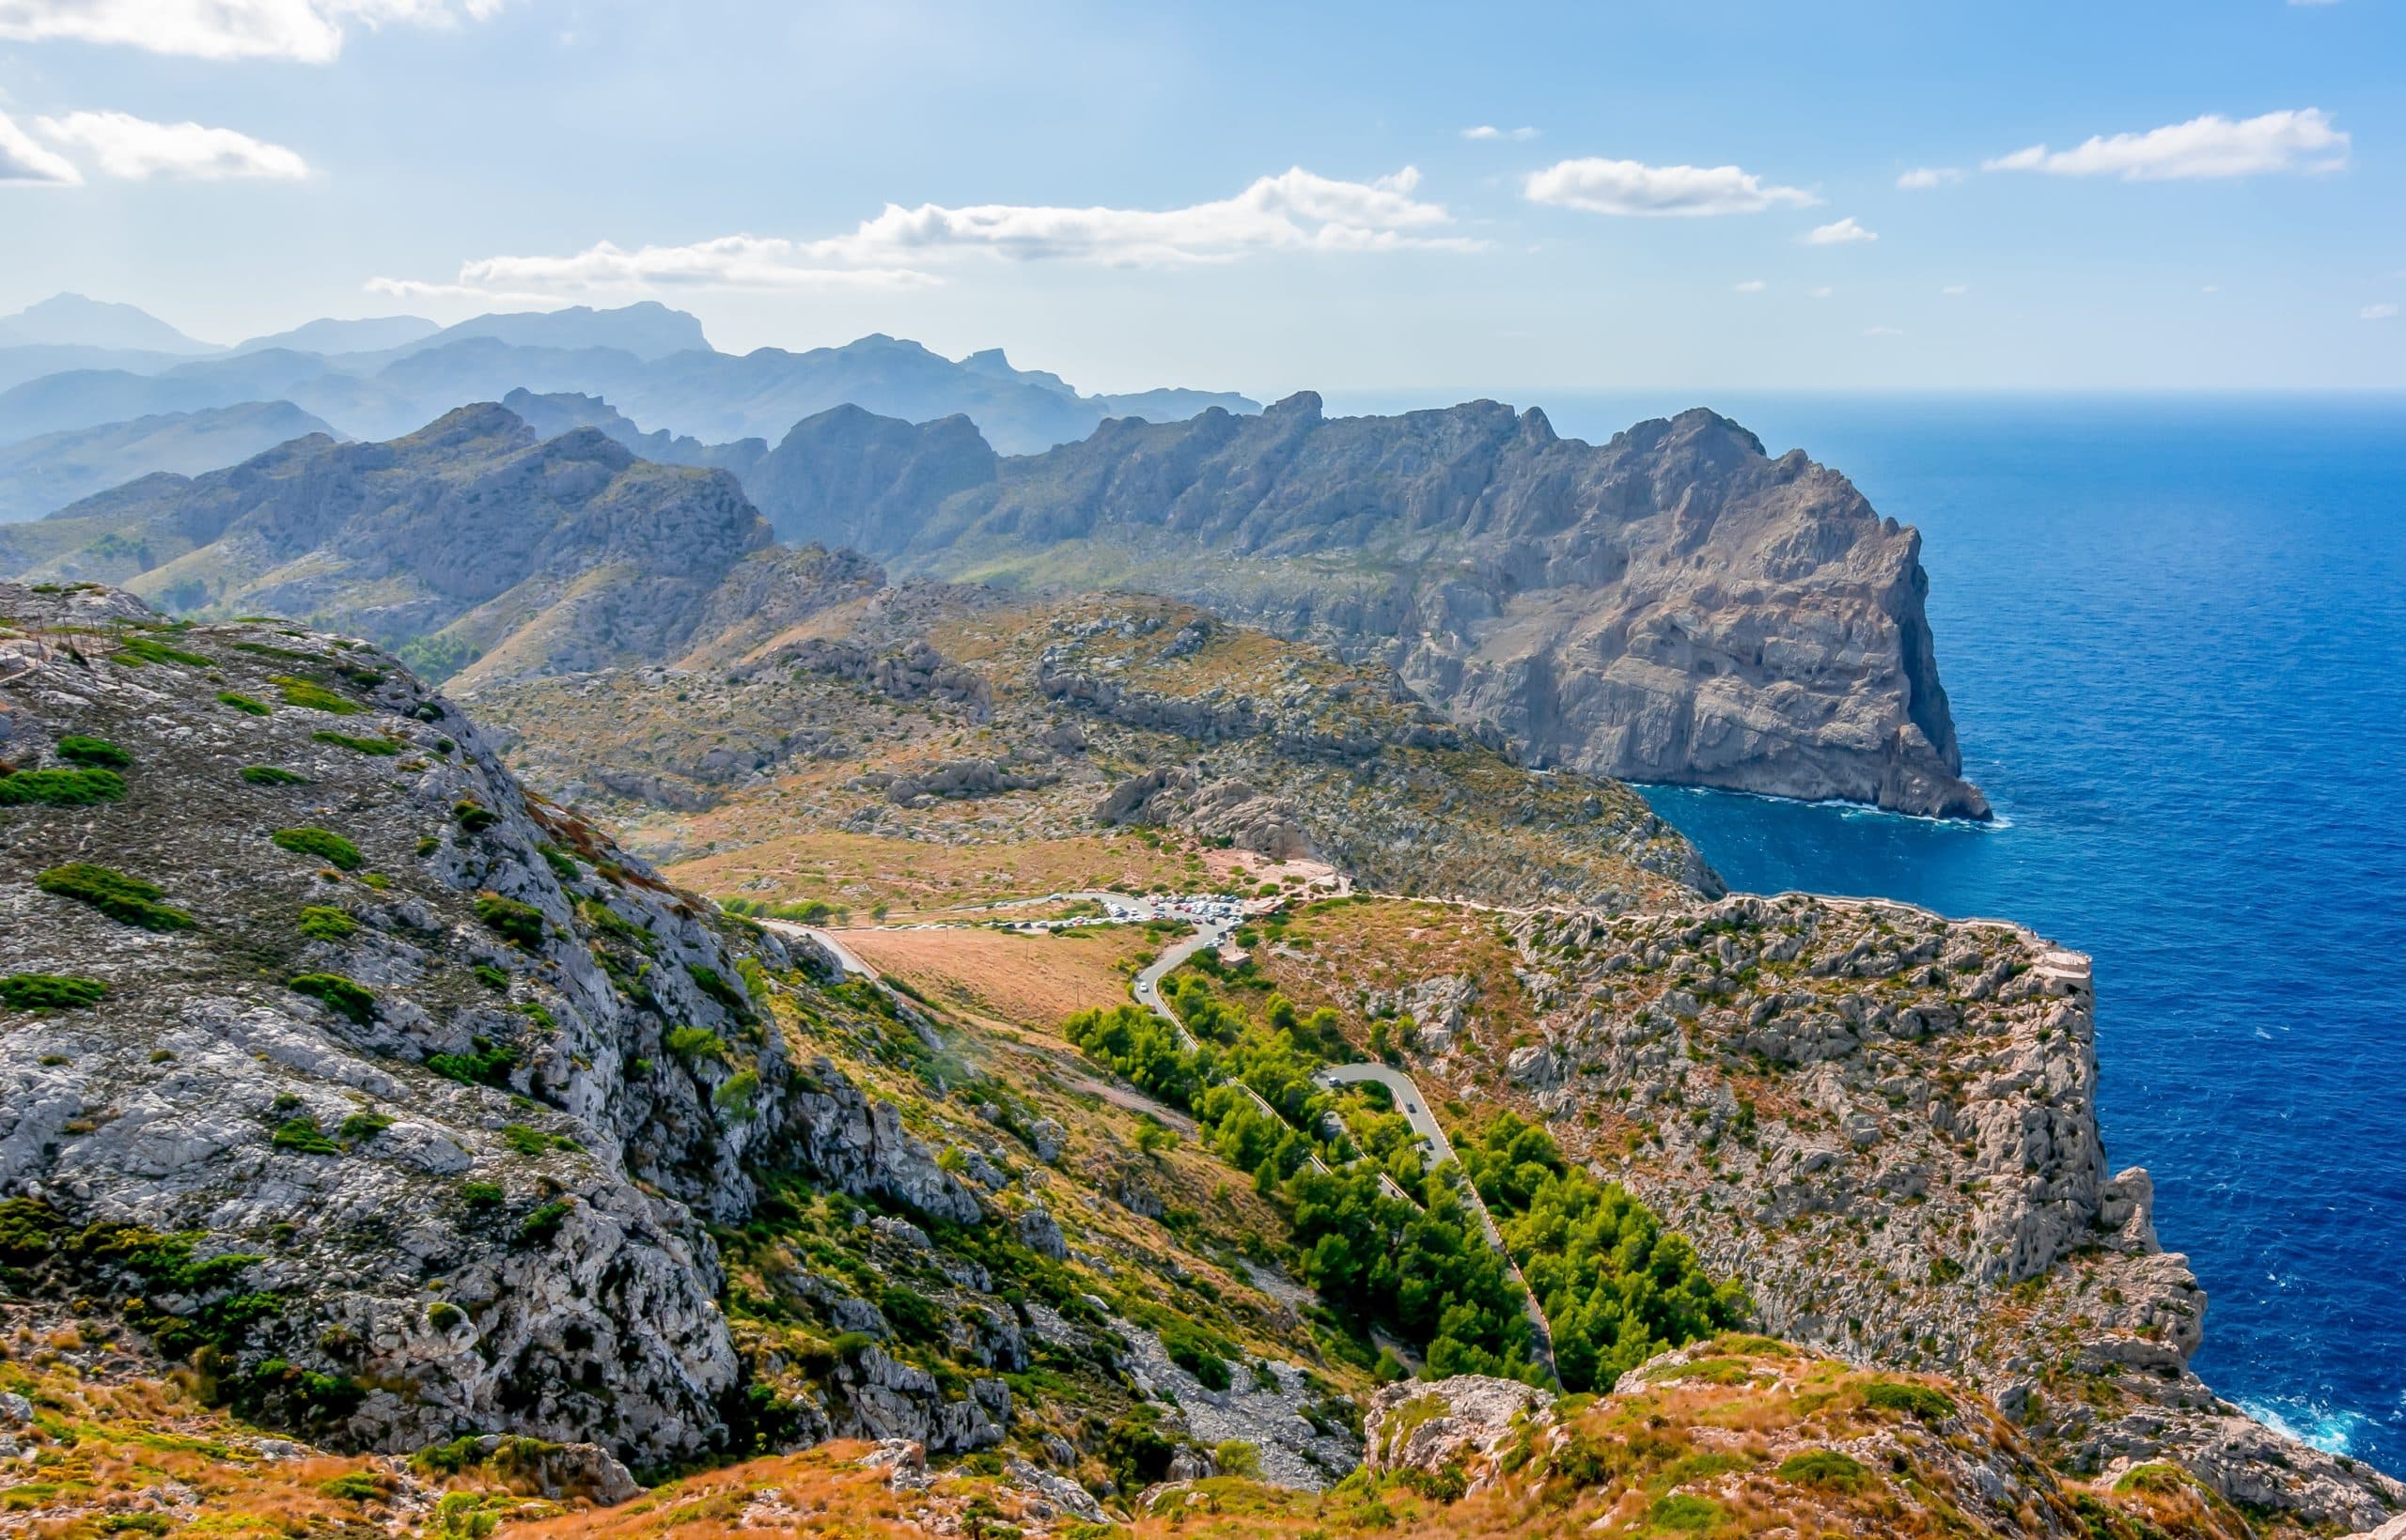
<point>2174,632</point>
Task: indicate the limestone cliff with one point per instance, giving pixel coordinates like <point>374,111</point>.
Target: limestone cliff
<point>1673,606</point>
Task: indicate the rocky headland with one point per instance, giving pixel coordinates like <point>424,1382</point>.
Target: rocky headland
<point>1675,605</point>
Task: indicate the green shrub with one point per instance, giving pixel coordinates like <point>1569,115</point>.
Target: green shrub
<point>138,650</point>
<point>322,923</point>
<point>300,1133</point>
<point>696,1044</point>
<point>490,976</point>
<point>544,1222</point>
<point>736,1097</point>
<point>346,998</point>
<point>1825,1468</point>
<point>315,697</point>
<point>473,816</point>
<point>714,984</point>
<point>1196,1352</point>
<point>325,844</point>
<point>360,745</point>
<point>359,1128</point>
<point>95,753</point>
<point>120,897</point>
<point>352,1485</point>
<point>521,925</point>
<point>435,658</point>
<point>443,1315</point>
<point>49,991</point>
<point>61,787</point>
<point>490,1063</point>
<point>563,866</point>
<point>242,703</point>
<point>914,1316</point>
<point>1913,1400</point>
<point>1239,1458</point>
<point>1687,1511</point>
<point>482,1194</point>
<point>527,1141</point>
<point>269,775</point>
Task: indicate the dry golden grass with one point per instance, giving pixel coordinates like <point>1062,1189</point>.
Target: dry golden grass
<point>1027,980</point>
<point>911,877</point>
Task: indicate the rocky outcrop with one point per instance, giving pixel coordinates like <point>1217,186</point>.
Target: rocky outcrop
<point>1791,1081</point>
<point>1227,810</point>
<point>1676,605</point>
<point>402,1098</point>
<point>1467,1421</point>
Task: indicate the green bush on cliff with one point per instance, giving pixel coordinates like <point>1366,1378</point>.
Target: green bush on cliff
<point>323,923</point>
<point>126,900</point>
<point>93,753</point>
<point>314,696</point>
<point>50,993</point>
<point>61,787</point>
<point>347,998</point>
<point>325,844</point>
<point>379,746</point>
<point>487,1064</point>
<point>521,924</point>
<point>270,775</point>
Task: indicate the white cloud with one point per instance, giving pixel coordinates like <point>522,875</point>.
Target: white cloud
<point>135,148</point>
<point>1883,331</point>
<point>2378,312</point>
<point>1753,285</point>
<point>1632,187</point>
<point>24,160</point>
<point>1294,212</point>
<point>2211,146</point>
<point>734,261</point>
<point>1843,232</point>
<point>2210,288</point>
<point>1923,177</point>
<point>310,31</point>
<point>1821,294</point>
<point>1489,131</point>
<point>1956,290</point>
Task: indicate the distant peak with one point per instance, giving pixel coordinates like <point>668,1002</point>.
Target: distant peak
<point>1304,403</point>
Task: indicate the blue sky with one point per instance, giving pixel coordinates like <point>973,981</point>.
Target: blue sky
<point>1105,190</point>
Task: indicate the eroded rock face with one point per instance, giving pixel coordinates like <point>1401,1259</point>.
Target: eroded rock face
<point>1673,606</point>
<point>1885,1124</point>
<point>429,1064</point>
<point>1465,1422</point>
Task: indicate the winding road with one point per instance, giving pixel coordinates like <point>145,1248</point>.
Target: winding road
<point>1409,1099</point>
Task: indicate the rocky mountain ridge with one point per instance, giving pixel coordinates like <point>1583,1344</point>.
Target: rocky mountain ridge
<point>1672,606</point>
<point>479,549</point>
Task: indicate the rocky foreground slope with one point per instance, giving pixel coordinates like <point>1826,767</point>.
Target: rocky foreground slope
<point>397,1106</point>
<point>1675,605</point>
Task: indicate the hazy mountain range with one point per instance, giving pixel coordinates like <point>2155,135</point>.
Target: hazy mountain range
<point>72,364</point>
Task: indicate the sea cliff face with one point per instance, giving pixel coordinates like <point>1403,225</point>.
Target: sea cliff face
<point>1673,606</point>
